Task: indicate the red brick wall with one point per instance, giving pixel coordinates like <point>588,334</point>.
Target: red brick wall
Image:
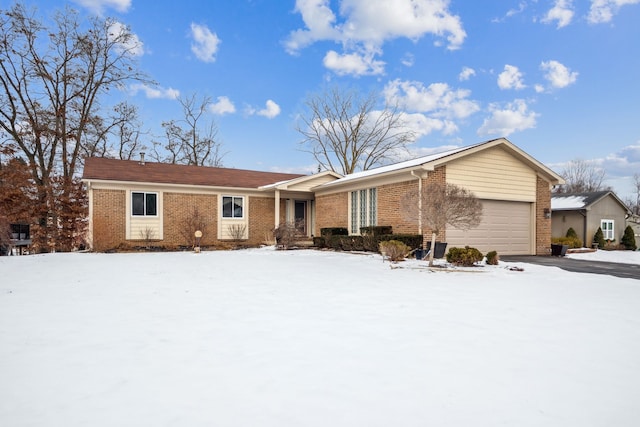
<point>331,211</point>
<point>392,210</point>
<point>179,209</point>
<point>403,220</point>
<point>109,219</point>
<point>543,225</point>
<point>262,219</point>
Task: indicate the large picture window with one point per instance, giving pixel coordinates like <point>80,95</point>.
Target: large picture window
<point>232,206</point>
<point>144,204</point>
<point>363,209</point>
<point>607,229</point>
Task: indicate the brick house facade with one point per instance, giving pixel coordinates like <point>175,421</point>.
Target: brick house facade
<point>133,202</point>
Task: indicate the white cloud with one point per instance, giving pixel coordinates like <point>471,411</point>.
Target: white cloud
<point>365,25</point>
<point>510,78</point>
<point>438,99</point>
<point>222,106</point>
<point>270,111</point>
<point>98,6</point>
<point>558,75</point>
<point>352,63</point>
<point>624,162</point>
<point>128,42</point>
<point>602,11</point>
<point>205,45</point>
<point>562,12</point>
<point>466,74</point>
<point>154,93</point>
<point>512,12</point>
<point>505,121</point>
<point>408,60</point>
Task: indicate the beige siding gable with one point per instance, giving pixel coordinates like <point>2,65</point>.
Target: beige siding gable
<point>494,174</point>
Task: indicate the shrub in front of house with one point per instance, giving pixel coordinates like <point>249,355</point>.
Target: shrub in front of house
<point>465,257</point>
<point>394,250</point>
<point>571,233</point>
<point>629,239</point>
<point>599,238</point>
<point>334,231</point>
<point>572,242</point>
<point>285,235</point>
<point>376,230</point>
<point>492,258</point>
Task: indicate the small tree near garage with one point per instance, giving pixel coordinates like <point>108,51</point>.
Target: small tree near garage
<point>437,205</point>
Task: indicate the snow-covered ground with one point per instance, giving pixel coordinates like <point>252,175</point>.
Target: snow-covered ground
<point>308,338</point>
<point>625,257</point>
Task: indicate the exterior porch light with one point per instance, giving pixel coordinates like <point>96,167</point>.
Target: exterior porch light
<point>547,213</point>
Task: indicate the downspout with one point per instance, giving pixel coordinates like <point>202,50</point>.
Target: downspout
<point>419,201</point>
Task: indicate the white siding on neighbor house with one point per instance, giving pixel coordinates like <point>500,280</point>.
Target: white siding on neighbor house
<point>494,174</point>
<point>506,227</point>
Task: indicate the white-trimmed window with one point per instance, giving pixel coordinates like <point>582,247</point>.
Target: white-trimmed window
<point>232,207</point>
<point>144,204</point>
<point>363,209</point>
<point>607,229</point>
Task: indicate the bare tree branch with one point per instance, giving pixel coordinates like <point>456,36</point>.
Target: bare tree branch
<point>345,133</point>
<point>191,140</point>
<point>439,205</point>
<point>582,176</point>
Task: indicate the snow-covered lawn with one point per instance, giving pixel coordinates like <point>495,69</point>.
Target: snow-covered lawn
<point>624,257</point>
<point>307,338</point>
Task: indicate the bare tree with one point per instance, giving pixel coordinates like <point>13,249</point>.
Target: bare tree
<point>345,133</point>
<point>635,206</point>
<point>52,79</point>
<point>437,205</point>
<point>194,221</point>
<point>119,135</point>
<point>191,140</point>
<point>582,176</point>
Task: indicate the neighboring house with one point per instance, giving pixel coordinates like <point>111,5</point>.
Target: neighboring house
<point>585,212</point>
<point>19,242</point>
<point>634,221</point>
<point>130,199</point>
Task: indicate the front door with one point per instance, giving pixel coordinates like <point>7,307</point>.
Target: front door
<point>300,216</point>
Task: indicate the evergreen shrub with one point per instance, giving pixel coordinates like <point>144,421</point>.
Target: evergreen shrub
<point>629,239</point>
<point>492,258</point>
<point>599,238</point>
<point>466,256</point>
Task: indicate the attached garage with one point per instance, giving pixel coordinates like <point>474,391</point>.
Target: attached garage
<point>514,187</point>
<point>506,227</point>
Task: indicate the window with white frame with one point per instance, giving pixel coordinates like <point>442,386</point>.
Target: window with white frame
<point>363,209</point>
<point>607,229</point>
<point>232,206</point>
<point>144,204</point>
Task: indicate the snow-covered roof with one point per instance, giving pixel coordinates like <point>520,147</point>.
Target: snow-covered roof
<point>407,164</point>
<point>573,201</point>
<point>568,202</point>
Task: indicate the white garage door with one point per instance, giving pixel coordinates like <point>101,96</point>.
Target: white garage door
<point>505,227</point>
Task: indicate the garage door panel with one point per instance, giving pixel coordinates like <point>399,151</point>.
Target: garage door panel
<point>505,227</point>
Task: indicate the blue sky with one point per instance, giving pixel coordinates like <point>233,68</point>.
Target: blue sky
<point>559,78</point>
